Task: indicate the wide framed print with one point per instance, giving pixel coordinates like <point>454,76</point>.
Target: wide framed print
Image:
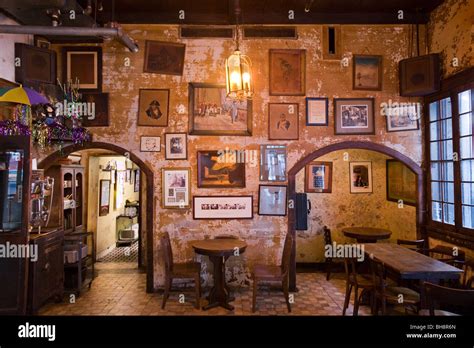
<point>318,177</point>
<point>367,72</point>
<point>360,177</point>
<point>153,106</point>
<point>401,183</point>
<point>176,188</point>
<point>222,207</point>
<point>283,119</point>
<point>354,116</point>
<point>317,111</point>
<point>163,57</point>
<point>272,162</point>
<point>272,200</point>
<point>104,197</point>
<point>403,118</point>
<point>150,144</point>
<point>83,64</point>
<point>214,171</point>
<point>176,146</point>
<point>287,72</point>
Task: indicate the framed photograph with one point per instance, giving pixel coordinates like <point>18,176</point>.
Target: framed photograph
<point>272,200</point>
<point>317,111</point>
<point>360,177</point>
<point>165,58</point>
<point>84,64</point>
<point>99,103</point>
<point>402,118</point>
<point>272,162</point>
<point>38,65</point>
<point>215,171</point>
<point>150,144</point>
<point>176,188</point>
<point>287,72</point>
<point>367,72</point>
<point>42,42</point>
<point>401,183</point>
<point>153,106</point>
<point>354,116</point>
<point>222,207</point>
<point>104,199</point>
<point>318,177</point>
<point>136,182</point>
<point>176,146</point>
<point>283,119</point>
<point>212,113</point>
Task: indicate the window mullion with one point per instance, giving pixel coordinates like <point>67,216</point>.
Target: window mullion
<point>456,164</point>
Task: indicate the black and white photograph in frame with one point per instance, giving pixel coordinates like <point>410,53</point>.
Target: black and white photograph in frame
<point>176,146</point>
<point>403,118</point>
<point>272,200</point>
<point>273,163</point>
<point>222,207</point>
<point>354,116</point>
<point>360,177</point>
<point>150,144</point>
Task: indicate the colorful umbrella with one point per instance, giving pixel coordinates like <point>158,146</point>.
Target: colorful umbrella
<point>22,95</point>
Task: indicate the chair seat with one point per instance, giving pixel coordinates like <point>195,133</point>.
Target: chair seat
<point>186,270</point>
<point>409,296</point>
<point>267,272</point>
<point>437,312</point>
<point>363,281</point>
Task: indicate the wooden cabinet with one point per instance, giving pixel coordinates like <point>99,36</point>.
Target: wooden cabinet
<point>46,274</point>
<point>69,195</point>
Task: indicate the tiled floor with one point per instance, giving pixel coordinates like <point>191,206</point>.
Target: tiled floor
<point>122,254</point>
<point>119,289</point>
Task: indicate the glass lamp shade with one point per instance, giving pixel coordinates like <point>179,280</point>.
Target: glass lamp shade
<point>238,76</point>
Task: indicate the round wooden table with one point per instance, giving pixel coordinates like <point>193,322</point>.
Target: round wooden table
<point>219,250</point>
<point>366,234</point>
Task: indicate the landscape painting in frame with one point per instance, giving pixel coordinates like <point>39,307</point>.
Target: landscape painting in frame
<point>212,113</point>
<point>354,116</point>
<point>367,73</point>
<point>287,72</point>
<point>215,171</point>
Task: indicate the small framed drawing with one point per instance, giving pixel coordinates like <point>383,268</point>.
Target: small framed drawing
<point>104,198</point>
<point>153,106</point>
<point>403,118</point>
<point>287,72</point>
<point>318,178</point>
<point>272,200</point>
<point>401,183</point>
<point>165,58</point>
<point>283,121</point>
<point>214,171</point>
<point>222,207</point>
<point>150,144</point>
<point>83,64</point>
<point>136,181</point>
<point>367,72</point>
<point>272,162</point>
<point>354,116</point>
<point>360,177</point>
<point>99,104</point>
<point>176,146</point>
<point>176,188</point>
<point>317,111</point>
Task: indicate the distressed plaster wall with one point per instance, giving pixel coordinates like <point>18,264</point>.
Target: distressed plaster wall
<point>340,208</point>
<point>204,63</point>
<point>451,33</point>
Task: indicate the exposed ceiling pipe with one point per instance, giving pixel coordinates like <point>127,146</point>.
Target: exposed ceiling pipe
<point>114,32</point>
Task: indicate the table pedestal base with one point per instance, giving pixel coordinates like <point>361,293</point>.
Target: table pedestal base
<point>219,294</point>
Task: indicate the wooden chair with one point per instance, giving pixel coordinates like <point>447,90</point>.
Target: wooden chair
<point>390,294</point>
<point>329,260</point>
<point>467,278</point>
<point>445,254</point>
<point>190,270</point>
<point>444,301</point>
<point>271,273</point>
<point>356,281</point>
<point>415,245</point>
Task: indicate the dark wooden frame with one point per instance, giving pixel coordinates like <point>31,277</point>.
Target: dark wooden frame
<point>192,131</point>
<point>163,188</point>
<point>297,120</point>
<point>308,99</point>
<point>371,178</point>
<point>166,146</point>
<point>107,123</point>
<point>380,72</point>
<point>372,116</point>
<point>263,149</point>
<point>432,84</point>
<point>21,76</point>
<point>307,174</point>
<point>100,198</point>
<point>149,136</point>
<point>163,43</point>
<point>303,71</point>
<point>222,196</point>
<point>456,234</point>
<point>391,199</point>
<point>259,199</point>
<point>200,179</point>
<point>97,49</point>
<point>167,109</point>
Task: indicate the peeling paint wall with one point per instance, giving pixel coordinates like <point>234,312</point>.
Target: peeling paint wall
<point>204,63</point>
<point>451,33</point>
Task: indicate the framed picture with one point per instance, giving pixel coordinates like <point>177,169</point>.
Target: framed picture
<point>42,42</point>
<point>176,187</point>
<point>136,182</point>
<point>176,146</point>
<point>222,207</point>
<point>367,72</point>
<point>165,58</point>
<point>120,188</point>
<point>212,113</point>
<point>272,162</point>
<point>403,118</point>
<point>153,106</point>
<point>401,183</point>
<point>272,200</point>
<point>354,116</point>
<point>287,72</point>
<point>317,111</point>
<point>214,171</point>
<point>38,65</point>
<point>104,199</point>
<point>360,177</point>
<point>150,144</point>
<point>99,104</point>
<point>318,177</point>
<point>84,64</point>
<point>283,119</point>
<point>419,76</point>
